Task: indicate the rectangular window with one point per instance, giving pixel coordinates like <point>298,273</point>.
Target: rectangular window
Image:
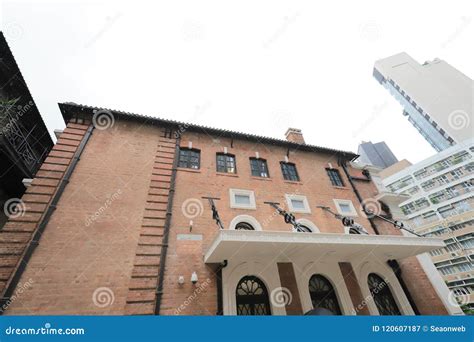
<point>242,199</point>
<point>289,171</point>
<point>189,158</point>
<point>297,203</point>
<point>259,167</point>
<point>345,207</point>
<point>225,163</point>
<point>335,177</point>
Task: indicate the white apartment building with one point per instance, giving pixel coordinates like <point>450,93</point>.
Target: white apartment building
<point>440,202</point>
<point>437,99</point>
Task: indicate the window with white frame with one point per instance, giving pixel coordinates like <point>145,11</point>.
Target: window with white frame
<point>242,199</point>
<point>298,204</point>
<point>345,207</point>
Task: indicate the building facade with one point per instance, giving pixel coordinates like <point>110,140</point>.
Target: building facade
<point>378,154</point>
<point>440,203</point>
<point>139,215</point>
<point>436,98</point>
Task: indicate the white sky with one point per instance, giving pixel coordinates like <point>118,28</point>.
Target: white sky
<point>253,66</point>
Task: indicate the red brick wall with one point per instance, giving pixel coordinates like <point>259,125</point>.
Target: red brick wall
<point>120,250</point>
<point>288,283</point>
<point>76,259</point>
<point>18,232</point>
<point>416,280</point>
<point>186,257</point>
<point>353,287</point>
<point>141,298</point>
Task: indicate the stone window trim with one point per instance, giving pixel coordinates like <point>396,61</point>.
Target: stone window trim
<point>247,219</point>
<point>290,197</point>
<point>234,205</point>
<point>351,213</point>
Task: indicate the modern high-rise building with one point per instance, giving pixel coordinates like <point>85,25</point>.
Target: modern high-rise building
<point>440,203</point>
<point>378,154</point>
<point>437,98</point>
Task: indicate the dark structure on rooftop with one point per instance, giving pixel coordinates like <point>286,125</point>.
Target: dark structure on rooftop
<point>24,139</point>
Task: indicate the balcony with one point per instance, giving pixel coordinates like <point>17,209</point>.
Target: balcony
<point>285,246</point>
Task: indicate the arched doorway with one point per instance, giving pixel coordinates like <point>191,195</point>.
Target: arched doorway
<point>252,297</point>
<point>323,294</point>
<point>383,298</point>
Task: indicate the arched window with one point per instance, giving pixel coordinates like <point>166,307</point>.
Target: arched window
<point>382,295</point>
<point>307,226</point>
<point>322,294</point>
<point>353,231</point>
<point>304,229</point>
<point>252,297</point>
<point>244,226</point>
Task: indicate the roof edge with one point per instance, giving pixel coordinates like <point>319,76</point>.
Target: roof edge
<point>71,109</point>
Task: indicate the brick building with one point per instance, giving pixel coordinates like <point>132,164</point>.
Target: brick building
<point>119,222</point>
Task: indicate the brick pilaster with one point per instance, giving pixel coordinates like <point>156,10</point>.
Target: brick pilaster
<point>354,289</point>
<point>288,281</point>
<point>141,298</point>
<point>18,232</point>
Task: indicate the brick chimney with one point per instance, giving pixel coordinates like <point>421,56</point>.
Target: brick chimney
<point>294,135</point>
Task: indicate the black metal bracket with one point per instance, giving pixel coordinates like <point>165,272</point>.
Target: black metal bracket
<point>397,224</point>
<point>289,217</point>
<point>215,213</point>
<point>346,221</point>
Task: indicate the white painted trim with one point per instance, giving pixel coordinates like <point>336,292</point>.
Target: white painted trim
<point>247,219</point>
<point>332,272</point>
<point>231,275</point>
<point>341,245</point>
<point>250,193</point>
<point>289,197</point>
<point>439,285</point>
<point>352,213</point>
<point>386,273</point>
